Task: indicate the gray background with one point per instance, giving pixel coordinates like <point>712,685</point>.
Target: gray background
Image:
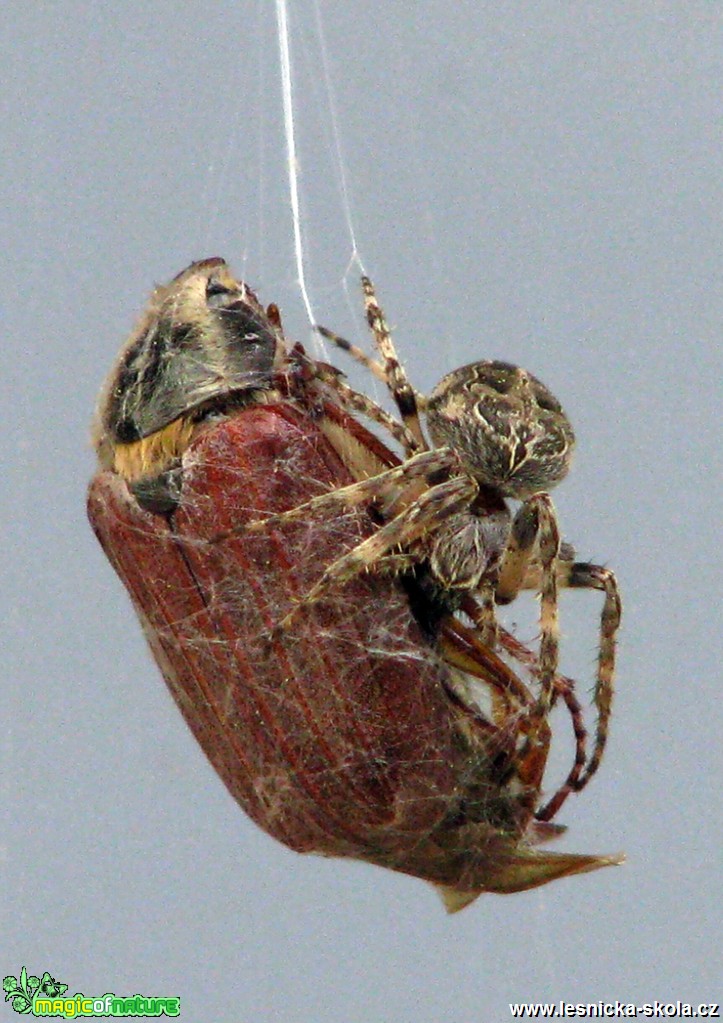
<point>537,182</point>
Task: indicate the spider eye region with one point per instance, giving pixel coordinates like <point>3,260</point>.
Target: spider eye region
<point>508,429</point>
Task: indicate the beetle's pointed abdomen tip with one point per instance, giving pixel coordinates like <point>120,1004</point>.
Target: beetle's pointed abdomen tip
<point>524,871</point>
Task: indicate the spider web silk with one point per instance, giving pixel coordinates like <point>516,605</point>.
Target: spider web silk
<point>293,159</point>
<point>287,94</point>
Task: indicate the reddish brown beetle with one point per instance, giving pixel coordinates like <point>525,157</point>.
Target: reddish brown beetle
<point>378,727</point>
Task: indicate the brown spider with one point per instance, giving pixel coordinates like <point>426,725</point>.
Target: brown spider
<point>497,432</point>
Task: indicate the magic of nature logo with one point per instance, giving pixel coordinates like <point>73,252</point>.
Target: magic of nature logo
<point>46,996</point>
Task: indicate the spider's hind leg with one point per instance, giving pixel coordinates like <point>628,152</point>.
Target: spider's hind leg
<point>521,571</point>
<point>583,575</point>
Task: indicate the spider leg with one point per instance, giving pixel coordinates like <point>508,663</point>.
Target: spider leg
<point>370,491</point>
<point>358,402</point>
<point>566,688</point>
<point>396,379</point>
<point>586,576</point>
<point>534,531</point>
<point>356,353</point>
<point>413,523</point>
<point>583,575</point>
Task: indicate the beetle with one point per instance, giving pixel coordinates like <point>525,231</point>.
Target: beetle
<point>379,727</point>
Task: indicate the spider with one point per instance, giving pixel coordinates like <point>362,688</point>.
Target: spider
<point>496,433</point>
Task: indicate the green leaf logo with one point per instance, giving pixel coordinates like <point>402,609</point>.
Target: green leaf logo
<point>21,991</point>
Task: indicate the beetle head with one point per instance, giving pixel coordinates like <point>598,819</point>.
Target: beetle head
<point>203,340</point>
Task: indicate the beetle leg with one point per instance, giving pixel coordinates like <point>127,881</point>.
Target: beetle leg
<point>564,687</point>
<point>482,612</point>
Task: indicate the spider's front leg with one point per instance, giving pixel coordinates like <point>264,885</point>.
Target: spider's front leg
<point>404,395</point>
